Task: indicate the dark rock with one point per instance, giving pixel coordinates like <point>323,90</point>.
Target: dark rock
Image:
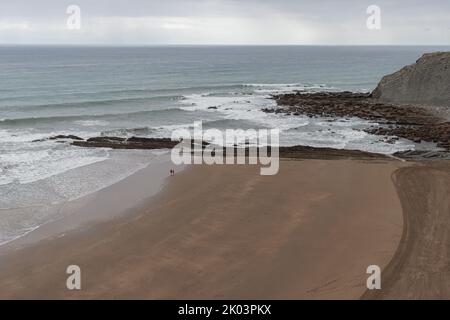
<point>72,137</point>
<point>406,121</point>
<point>130,143</point>
<point>60,137</point>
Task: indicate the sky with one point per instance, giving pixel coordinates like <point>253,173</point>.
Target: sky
<point>225,22</point>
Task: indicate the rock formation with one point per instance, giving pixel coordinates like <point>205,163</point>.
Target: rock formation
<point>426,82</point>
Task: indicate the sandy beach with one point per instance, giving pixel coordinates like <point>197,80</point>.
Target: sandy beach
<point>225,150</point>
<point>225,232</point>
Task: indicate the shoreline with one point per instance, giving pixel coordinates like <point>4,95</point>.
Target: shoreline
<point>129,233</point>
<point>77,214</point>
<point>311,231</point>
<point>394,120</point>
<point>398,259</point>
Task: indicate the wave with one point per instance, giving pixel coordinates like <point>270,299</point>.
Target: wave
<point>232,124</point>
<point>170,90</point>
<point>162,94</point>
<point>89,103</point>
<point>286,85</point>
<point>146,90</point>
<point>165,130</point>
<point>73,118</point>
<point>170,93</point>
<point>258,85</point>
<point>143,131</point>
<point>174,94</point>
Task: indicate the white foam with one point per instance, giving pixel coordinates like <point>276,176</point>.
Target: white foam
<point>287,87</point>
<point>25,207</point>
<point>92,123</point>
<point>21,136</point>
<point>317,132</point>
<point>35,174</point>
<point>17,136</point>
<point>29,166</point>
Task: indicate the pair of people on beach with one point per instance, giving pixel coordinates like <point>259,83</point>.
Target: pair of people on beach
<point>172,172</point>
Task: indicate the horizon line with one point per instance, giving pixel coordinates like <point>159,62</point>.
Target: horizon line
<point>217,45</point>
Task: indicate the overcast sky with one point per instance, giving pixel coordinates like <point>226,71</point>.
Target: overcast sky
<point>324,22</point>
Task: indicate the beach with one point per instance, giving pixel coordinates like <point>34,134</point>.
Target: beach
<point>65,140</point>
<point>222,232</point>
<point>88,176</point>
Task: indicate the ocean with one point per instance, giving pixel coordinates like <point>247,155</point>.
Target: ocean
<point>148,92</point>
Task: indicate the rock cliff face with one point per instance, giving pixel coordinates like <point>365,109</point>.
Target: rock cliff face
<point>426,82</point>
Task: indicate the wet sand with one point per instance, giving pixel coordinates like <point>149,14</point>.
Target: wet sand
<point>136,192</point>
<point>226,232</point>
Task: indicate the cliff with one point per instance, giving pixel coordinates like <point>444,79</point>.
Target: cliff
<point>426,82</point>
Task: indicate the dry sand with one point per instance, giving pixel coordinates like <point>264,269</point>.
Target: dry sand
<point>227,232</point>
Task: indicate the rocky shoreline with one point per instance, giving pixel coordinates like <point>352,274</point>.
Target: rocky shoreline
<point>409,122</point>
<point>292,152</point>
<point>404,121</point>
<point>392,106</point>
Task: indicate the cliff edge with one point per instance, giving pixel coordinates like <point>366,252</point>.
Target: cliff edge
<point>426,82</point>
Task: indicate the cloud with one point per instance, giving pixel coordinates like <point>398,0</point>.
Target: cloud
<point>11,26</point>
<point>225,22</point>
<point>195,30</point>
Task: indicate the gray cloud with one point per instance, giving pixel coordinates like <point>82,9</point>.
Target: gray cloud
<point>225,22</point>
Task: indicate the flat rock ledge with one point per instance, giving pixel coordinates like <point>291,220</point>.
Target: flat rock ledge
<point>295,152</point>
<point>126,143</point>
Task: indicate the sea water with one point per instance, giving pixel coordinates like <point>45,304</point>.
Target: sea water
<point>150,91</point>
